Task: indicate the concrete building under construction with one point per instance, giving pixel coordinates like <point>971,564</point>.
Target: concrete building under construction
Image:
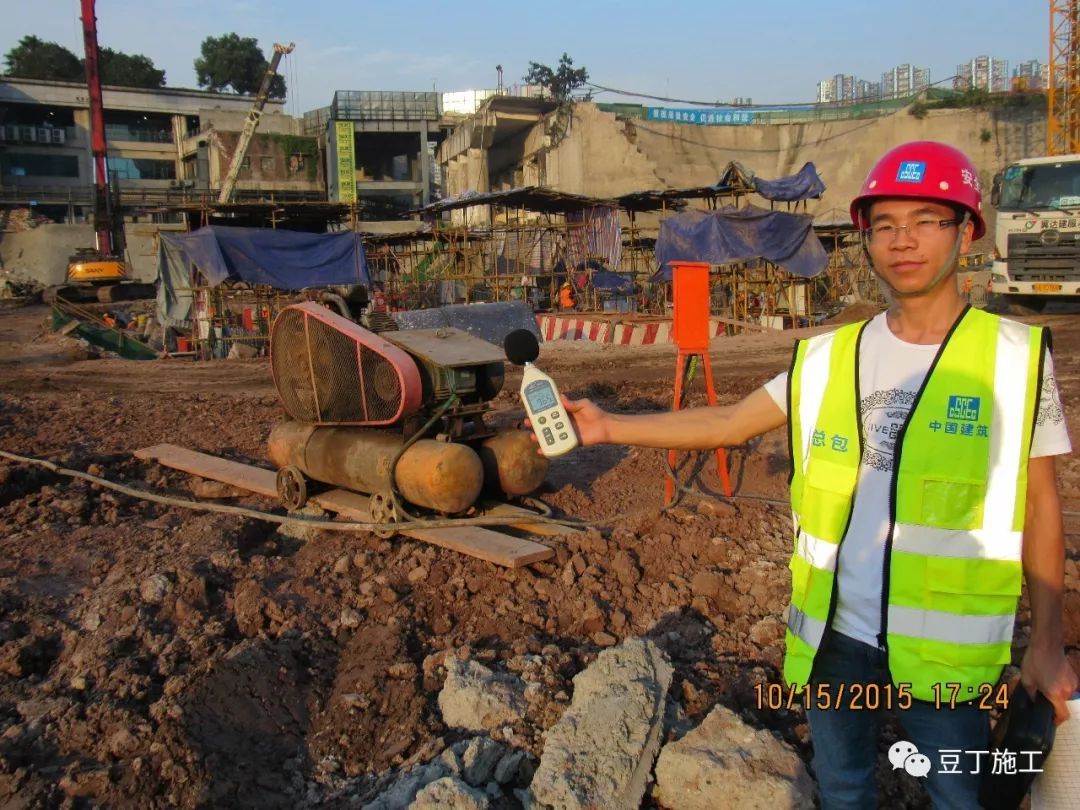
<point>166,145</point>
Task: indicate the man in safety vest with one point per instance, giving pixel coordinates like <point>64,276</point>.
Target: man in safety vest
<point>566,296</point>
<point>923,491</point>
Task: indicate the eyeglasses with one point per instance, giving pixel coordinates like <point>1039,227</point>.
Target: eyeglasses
<point>884,233</point>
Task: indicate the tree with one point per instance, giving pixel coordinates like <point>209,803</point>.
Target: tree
<point>235,63</point>
<point>33,58</point>
<point>129,70</point>
<point>561,82</point>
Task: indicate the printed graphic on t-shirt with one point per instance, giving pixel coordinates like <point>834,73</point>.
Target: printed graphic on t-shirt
<point>1050,411</point>
<point>883,415</point>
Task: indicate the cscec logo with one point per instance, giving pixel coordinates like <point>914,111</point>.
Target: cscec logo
<point>911,171</point>
<point>964,409</point>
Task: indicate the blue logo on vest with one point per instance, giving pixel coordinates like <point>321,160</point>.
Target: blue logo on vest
<point>911,171</point>
<point>965,409</point>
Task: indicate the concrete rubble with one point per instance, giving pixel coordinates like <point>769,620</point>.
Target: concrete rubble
<point>471,773</point>
<point>724,763</point>
<point>601,752</point>
<point>450,792</point>
<point>477,699</point>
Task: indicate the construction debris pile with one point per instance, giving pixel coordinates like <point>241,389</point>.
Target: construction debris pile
<point>17,220</point>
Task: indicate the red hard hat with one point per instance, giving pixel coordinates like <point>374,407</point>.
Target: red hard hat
<point>925,170</point>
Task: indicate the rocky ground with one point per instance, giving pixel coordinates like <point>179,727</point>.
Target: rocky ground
<point>153,656</point>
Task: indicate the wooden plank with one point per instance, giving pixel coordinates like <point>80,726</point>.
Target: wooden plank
<point>497,509</point>
<point>476,541</point>
<point>240,475</point>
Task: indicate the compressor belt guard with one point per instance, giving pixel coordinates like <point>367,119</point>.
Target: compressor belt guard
<point>329,370</point>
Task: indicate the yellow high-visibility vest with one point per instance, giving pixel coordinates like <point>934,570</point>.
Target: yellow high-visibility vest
<point>952,574</point>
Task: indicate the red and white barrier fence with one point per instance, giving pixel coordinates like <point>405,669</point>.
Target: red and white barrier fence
<point>622,333</point>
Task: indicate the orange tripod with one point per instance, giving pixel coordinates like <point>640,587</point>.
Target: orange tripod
<point>690,331</point>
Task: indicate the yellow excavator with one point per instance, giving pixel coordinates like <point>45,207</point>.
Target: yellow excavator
<point>99,272</point>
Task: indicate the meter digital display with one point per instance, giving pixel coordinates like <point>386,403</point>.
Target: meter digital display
<point>540,395</point>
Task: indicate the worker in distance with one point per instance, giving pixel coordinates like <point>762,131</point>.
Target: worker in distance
<point>923,491</point>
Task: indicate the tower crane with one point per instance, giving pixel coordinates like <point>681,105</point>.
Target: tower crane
<point>1063,91</point>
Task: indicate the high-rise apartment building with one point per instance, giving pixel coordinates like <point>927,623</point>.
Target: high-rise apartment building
<point>1030,75</point>
<point>845,88</point>
<point>983,73</point>
<point>904,80</point>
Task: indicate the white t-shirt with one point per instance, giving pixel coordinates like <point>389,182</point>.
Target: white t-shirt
<point>890,375</point>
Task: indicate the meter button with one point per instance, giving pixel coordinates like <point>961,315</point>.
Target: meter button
<point>563,436</point>
<point>559,425</point>
<point>542,420</point>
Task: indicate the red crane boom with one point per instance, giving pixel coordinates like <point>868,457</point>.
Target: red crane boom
<point>103,225</point>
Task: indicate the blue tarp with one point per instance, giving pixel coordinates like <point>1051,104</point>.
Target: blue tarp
<point>608,282</point>
<point>731,234</point>
<point>286,260</point>
<point>802,186</point>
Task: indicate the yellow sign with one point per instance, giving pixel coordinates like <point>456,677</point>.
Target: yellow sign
<point>346,162</point>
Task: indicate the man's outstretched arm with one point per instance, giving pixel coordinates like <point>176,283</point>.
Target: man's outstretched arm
<point>702,428</point>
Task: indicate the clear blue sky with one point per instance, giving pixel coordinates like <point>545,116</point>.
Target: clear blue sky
<point>770,50</point>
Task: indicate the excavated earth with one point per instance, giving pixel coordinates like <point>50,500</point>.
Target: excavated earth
<point>153,656</point>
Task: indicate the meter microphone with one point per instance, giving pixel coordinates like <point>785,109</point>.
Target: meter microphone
<point>541,399</point>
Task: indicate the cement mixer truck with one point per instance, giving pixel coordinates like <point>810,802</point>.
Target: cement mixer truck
<point>1037,238</point>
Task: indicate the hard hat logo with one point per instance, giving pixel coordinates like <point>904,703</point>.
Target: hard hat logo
<point>911,171</point>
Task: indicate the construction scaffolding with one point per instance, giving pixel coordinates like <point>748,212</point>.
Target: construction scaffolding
<point>524,244</point>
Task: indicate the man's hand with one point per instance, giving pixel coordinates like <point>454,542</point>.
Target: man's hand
<point>1046,669</point>
<point>590,421</point>
<point>1044,666</point>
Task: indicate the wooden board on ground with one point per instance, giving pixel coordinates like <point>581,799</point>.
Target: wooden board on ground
<point>240,475</point>
<point>476,541</point>
<point>497,509</point>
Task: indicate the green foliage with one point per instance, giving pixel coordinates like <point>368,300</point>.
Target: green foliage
<point>298,145</point>
<point>129,70</point>
<point>33,58</point>
<point>941,99</point>
<point>234,63</point>
<point>560,82</point>
<point>985,135</point>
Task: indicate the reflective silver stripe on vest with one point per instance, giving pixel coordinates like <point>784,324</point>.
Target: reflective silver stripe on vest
<point>952,628</point>
<point>815,376</point>
<point>819,553</point>
<point>807,628</point>
<point>1008,426</point>
<point>977,544</point>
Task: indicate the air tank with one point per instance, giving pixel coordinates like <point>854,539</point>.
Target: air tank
<point>512,465</point>
<point>444,476</point>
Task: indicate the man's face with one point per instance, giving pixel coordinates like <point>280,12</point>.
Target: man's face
<point>910,240</point>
